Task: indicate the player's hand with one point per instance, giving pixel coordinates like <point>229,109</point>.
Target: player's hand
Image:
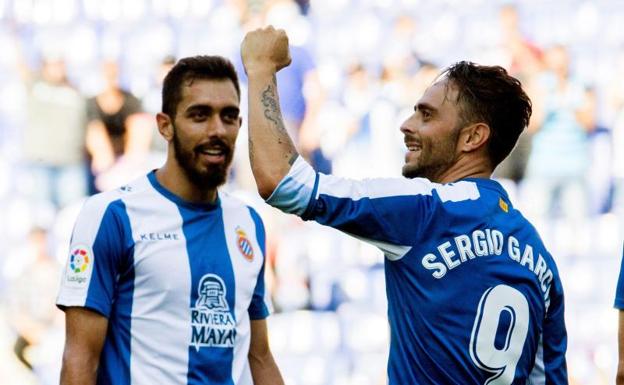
<point>265,49</point>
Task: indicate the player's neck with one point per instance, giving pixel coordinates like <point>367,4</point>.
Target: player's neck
<point>466,167</point>
<point>172,177</point>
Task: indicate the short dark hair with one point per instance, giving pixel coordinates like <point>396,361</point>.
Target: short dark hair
<point>490,95</point>
<point>190,68</point>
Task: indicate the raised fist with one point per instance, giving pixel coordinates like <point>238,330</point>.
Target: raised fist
<point>265,49</point>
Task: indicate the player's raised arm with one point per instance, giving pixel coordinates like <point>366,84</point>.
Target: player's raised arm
<point>271,150</point>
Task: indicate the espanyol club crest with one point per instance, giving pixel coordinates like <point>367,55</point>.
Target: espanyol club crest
<point>244,244</point>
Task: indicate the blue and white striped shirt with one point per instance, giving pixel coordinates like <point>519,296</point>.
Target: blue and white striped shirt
<point>179,283</point>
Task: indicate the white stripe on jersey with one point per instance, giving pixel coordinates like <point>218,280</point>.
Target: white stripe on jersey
<point>160,318</point>
<point>85,230</point>
<point>298,186</point>
<point>538,374</point>
<point>458,191</point>
<point>391,187</point>
<point>235,216</point>
<point>293,193</point>
<point>391,251</point>
<point>372,188</point>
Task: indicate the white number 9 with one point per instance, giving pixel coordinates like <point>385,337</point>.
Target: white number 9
<point>484,353</point>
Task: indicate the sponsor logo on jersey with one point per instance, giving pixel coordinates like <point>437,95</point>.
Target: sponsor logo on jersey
<point>211,320</point>
<point>244,244</point>
<point>153,237</point>
<point>79,265</point>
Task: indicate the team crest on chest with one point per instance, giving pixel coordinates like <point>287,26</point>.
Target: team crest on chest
<point>212,323</point>
<point>244,244</point>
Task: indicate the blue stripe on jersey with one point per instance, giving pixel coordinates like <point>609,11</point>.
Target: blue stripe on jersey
<point>114,270</point>
<point>109,258</point>
<point>257,307</point>
<point>210,263</point>
<point>313,195</point>
<point>619,292</point>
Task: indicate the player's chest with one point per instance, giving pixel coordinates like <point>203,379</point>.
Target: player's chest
<point>173,257</point>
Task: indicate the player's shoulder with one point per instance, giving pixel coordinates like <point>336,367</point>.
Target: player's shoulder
<point>462,190</point>
<point>97,205</point>
<point>374,188</point>
<point>236,202</point>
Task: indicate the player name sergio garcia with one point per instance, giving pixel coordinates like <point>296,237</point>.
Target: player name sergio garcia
<point>483,243</point>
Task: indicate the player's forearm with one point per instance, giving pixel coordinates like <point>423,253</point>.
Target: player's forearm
<point>620,372</point>
<point>271,150</point>
<point>619,379</point>
<point>264,370</point>
<point>78,370</point>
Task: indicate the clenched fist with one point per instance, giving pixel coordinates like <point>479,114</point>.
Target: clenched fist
<point>265,49</point>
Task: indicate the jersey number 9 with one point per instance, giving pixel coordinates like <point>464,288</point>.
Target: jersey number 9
<point>499,357</point>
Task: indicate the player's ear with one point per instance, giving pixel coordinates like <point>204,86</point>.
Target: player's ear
<point>474,136</point>
<point>165,126</point>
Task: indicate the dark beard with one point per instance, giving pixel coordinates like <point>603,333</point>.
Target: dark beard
<point>211,178</point>
<point>433,168</point>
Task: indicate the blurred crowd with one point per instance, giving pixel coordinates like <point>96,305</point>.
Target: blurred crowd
<point>81,83</point>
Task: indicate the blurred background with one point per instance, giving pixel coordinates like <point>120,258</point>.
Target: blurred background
<point>81,83</point>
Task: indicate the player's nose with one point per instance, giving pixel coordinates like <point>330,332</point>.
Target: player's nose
<point>408,126</point>
<point>215,126</point>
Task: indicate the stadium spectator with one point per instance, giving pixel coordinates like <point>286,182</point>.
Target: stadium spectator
<point>118,134</point>
<point>35,319</point>
<point>465,271</point>
<point>562,121</point>
<point>53,137</point>
<point>165,278</point>
<point>152,100</point>
<point>524,61</point>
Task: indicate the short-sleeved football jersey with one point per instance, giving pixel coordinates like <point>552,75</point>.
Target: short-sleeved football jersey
<point>179,283</point>
<point>473,295</point>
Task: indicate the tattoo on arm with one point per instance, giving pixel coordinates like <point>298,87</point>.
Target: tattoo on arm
<point>273,114</point>
<point>251,151</point>
<point>272,109</point>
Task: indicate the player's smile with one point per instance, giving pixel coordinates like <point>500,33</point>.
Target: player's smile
<point>213,152</point>
<point>414,150</point>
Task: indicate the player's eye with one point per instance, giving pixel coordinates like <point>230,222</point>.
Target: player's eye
<point>198,115</point>
<point>230,117</point>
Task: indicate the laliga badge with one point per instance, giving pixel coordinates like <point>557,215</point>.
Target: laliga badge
<point>79,266</point>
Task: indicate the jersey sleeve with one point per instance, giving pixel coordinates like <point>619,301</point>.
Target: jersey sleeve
<point>100,249</point>
<point>619,293</point>
<point>260,306</point>
<point>554,340</point>
<point>390,213</point>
